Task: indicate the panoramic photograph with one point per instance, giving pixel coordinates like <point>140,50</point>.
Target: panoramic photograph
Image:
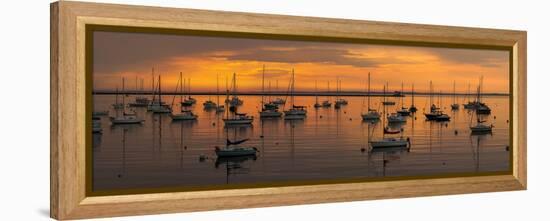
<point>191,111</point>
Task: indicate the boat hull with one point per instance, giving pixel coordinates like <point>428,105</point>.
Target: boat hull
<point>236,152</point>
<point>388,144</point>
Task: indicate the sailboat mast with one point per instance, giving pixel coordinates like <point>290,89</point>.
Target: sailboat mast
<point>218,89</point>
<point>368,94</point>
<point>160,98</point>
<point>181,88</point>
<point>316,94</point>
<point>412,95</point>
<point>328,90</point>
<point>454,92</point>
<point>263,85</point>
<point>402,95</point>
<point>123,95</point>
<point>153,82</point>
<point>189,88</point>
<point>292,89</point>
<point>431,94</point>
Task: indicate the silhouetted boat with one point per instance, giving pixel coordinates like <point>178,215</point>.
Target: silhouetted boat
<point>384,101</point>
<point>234,149</point>
<point>125,118</point>
<point>183,114</point>
<point>403,111</point>
<point>268,110</point>
<point>454,105</point>
<point>371,114</point>
<point>295,112</point>
<point>412,108</point>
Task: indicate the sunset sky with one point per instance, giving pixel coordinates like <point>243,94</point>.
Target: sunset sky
<point>201,59</point>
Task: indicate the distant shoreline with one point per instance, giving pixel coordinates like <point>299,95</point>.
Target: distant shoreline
<point>350,93</point>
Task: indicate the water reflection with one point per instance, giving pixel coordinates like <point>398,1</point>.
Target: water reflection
<point>328,144</point>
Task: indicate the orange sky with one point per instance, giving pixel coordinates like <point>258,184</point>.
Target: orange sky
<point>201,59</point>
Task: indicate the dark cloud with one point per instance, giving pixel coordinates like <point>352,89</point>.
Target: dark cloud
<point>485,58</point>
<point>116,52</point>
<point>307,55</point>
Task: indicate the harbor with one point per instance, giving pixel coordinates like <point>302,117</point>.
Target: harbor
<point>327,143</point>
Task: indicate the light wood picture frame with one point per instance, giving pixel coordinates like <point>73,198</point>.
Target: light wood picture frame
<point>69,96</point>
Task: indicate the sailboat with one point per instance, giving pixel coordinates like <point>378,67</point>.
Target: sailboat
<point>236,118</point>
<point>471,105</point>
<point>326,103</point>
<point>219,108</point>
<point>140,101</point>
<point>268,111</point>
<point>235,149</point>
<point>454,105</point>
<point>126,117</point>
<point>317,104</point>
<point>117,105</point>
<point>339,101</point>
<point>412,108</point>
<point>234,101</point>
<point>159,107</point>
<point>153,101</point>
<point>295,112</point>
<point>371,114</point>
<point>480,127</point>
<point>189,101</point>
<point>209,104</point>
<point>435,113</point>
<point>184,113</point>
<point>482,108</point>
<point>386,102</point>
<point>278,100</point>
<point>388,142</point>
<point>403,111</point>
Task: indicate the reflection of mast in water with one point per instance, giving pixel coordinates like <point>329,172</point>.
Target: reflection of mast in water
<point>337,122</point>
<point>181,144</point>
<point>233,165</point>
<point>292,127</point>
<point>123,170</point>
<point>476,152</point>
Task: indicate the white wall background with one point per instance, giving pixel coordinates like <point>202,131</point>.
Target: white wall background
<point>24,112</point>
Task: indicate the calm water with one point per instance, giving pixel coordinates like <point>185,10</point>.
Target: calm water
<point>326,145</point>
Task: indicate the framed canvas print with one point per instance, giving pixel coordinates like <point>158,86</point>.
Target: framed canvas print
<point>160,110</point>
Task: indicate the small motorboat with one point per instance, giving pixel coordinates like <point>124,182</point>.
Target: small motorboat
<point>238,118</point>
<point>209,104</point>
<point>270,113</point>
<point>296,110</point>
<point>413,109</point>
<point>390,142</point>
<point>481,128</point>
<point>278,101</point>
<point>404,111</point>
<point>326,104</point>
<point>184,115</point>
<point>160,109</point>
<point>396,118</point>
<point>126,119</point>
<point>455,106</point>
<point>483,109</point>
<point>371,115</point>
